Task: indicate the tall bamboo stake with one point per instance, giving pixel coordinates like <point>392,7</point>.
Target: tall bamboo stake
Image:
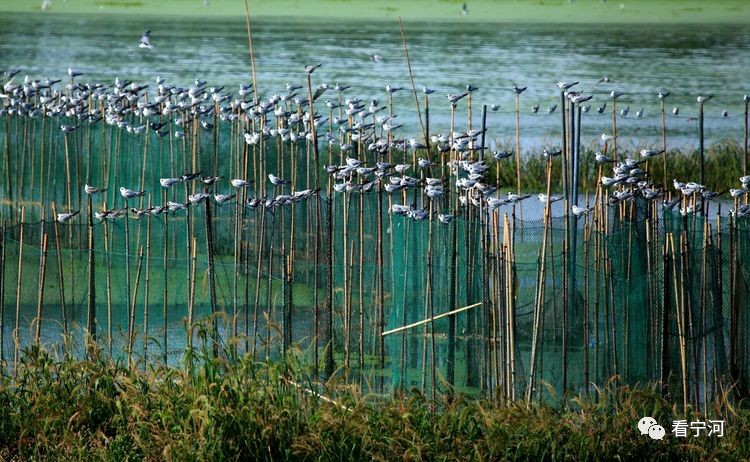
<point>91,308</point>
<point>250,48</point>
<point>539,299</point>
<point>131,320</point>
<point>411,78</point>
<point>269,290</point>
<point>165,290</point>
<point>109,284</point>
<point>663,142</point>
<point>146,287</point>
<point>518,145</point>
<point>3,247</point>
<point>16,339</point>
<point>701,142</point>
<point>63,307</point>
<point>361,246</point>
<point>680,323</point>
<point>261,246</point>
<point>745,145</point>
<point>128,309</point>
<point>191,291</point>
<point>40,297</point>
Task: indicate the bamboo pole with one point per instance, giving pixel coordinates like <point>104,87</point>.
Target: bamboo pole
<point>539,299</point>
<point>146,287</point>
<point>191,294</point>
<point>165,290</point>
<point>63,308</point>
<point>411,78</point>
<point>745,145</point>
<point>252,55</point>
<point>361,246</point>
<point>663,142</point>
<point>680,324</point>
<point>91,308</point>
<point>40,296</point>
<point>128,308</point>
<point>131,322</point>
<point>518,146</point>
<point>269,290</point>
<point>510,294</point>
<point>16,339</point>
<point>3,247</point>
<point>261,246</point>
<point>430,319</point>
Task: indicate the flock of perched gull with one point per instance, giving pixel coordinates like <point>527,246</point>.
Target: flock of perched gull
<point>353,127</point>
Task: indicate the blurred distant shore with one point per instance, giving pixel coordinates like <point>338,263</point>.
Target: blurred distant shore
<point>489,11</point>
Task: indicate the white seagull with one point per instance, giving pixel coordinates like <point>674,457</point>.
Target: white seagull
<point>129,193</point>
<point>146,41</point>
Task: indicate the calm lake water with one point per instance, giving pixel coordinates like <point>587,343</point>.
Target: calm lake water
<point>688,60</point>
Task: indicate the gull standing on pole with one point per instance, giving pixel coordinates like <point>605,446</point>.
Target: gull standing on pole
<point>129,193</point>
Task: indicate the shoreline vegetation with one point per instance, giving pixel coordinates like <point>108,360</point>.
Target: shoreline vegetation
<point>479,11</point>
<point>227,407</point>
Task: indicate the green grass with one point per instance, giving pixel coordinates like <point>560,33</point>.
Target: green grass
<point>580,11</point>
<point>723,166</point>
<point>225,407</point>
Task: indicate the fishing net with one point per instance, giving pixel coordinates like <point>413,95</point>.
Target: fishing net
<point>521,306</point>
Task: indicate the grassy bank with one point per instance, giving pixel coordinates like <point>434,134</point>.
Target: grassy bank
<point>580,11</point>
<point>230,408</point>
<point>723,164</point>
